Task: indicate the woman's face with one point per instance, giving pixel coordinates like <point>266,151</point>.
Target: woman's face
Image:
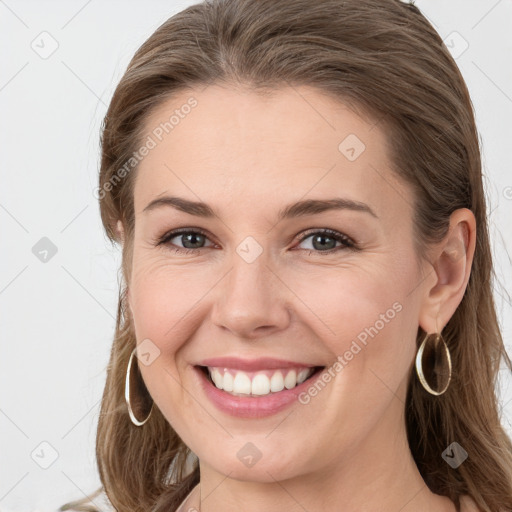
<point>259,296</point>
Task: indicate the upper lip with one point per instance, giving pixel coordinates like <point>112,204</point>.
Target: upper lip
<point>261,363</point>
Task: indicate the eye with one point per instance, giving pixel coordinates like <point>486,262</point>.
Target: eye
<point>190,238</point>
<point>193,238</point>
<point>319,237</point>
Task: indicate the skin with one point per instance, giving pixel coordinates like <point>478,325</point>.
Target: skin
<point>249,156</point>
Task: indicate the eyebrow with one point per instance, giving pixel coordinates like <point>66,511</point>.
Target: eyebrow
<point>299,209</point>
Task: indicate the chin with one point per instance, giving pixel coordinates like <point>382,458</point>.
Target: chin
<point>254,459</point>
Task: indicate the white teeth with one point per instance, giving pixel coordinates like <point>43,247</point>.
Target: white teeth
<point>217,378</point>
<point>302,376</point>
<point>277,382</point>
<point>242,383</point>
<point>227,383</point>
<point>290,381</point>
<point>262,383</point>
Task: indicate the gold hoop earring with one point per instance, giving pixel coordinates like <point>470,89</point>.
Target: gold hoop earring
<point>140,385</point>
<point>441,372</point>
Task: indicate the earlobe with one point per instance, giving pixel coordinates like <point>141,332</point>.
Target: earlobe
<point>451,266</point>
<point>120,231</point>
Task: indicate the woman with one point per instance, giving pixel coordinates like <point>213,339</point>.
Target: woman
<point>307,321</point>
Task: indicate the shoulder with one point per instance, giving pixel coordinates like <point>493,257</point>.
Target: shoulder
<point>467,504</point>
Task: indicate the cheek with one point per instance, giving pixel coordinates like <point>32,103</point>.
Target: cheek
<point>369,317</point>
<point>163,300</point>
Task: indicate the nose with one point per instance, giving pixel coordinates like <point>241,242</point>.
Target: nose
<point>251,300</point>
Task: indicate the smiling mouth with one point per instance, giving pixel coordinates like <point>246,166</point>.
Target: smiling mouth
<point>260,383</point>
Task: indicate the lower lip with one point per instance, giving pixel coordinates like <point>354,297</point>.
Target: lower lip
<point>251,406</point>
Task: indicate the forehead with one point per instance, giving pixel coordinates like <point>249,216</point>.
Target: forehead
<point>230,146</point>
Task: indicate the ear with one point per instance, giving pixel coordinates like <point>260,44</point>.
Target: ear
<point>451,262</point>
<point>121,237</point>
<point>120,231</point>
<point>128,301</point>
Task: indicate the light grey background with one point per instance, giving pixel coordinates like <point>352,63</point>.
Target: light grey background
<point>58,316</point>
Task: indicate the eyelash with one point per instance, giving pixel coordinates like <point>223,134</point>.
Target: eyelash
<point>347,242</point>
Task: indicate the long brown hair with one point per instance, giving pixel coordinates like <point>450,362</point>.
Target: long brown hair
<point>385,60</point>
